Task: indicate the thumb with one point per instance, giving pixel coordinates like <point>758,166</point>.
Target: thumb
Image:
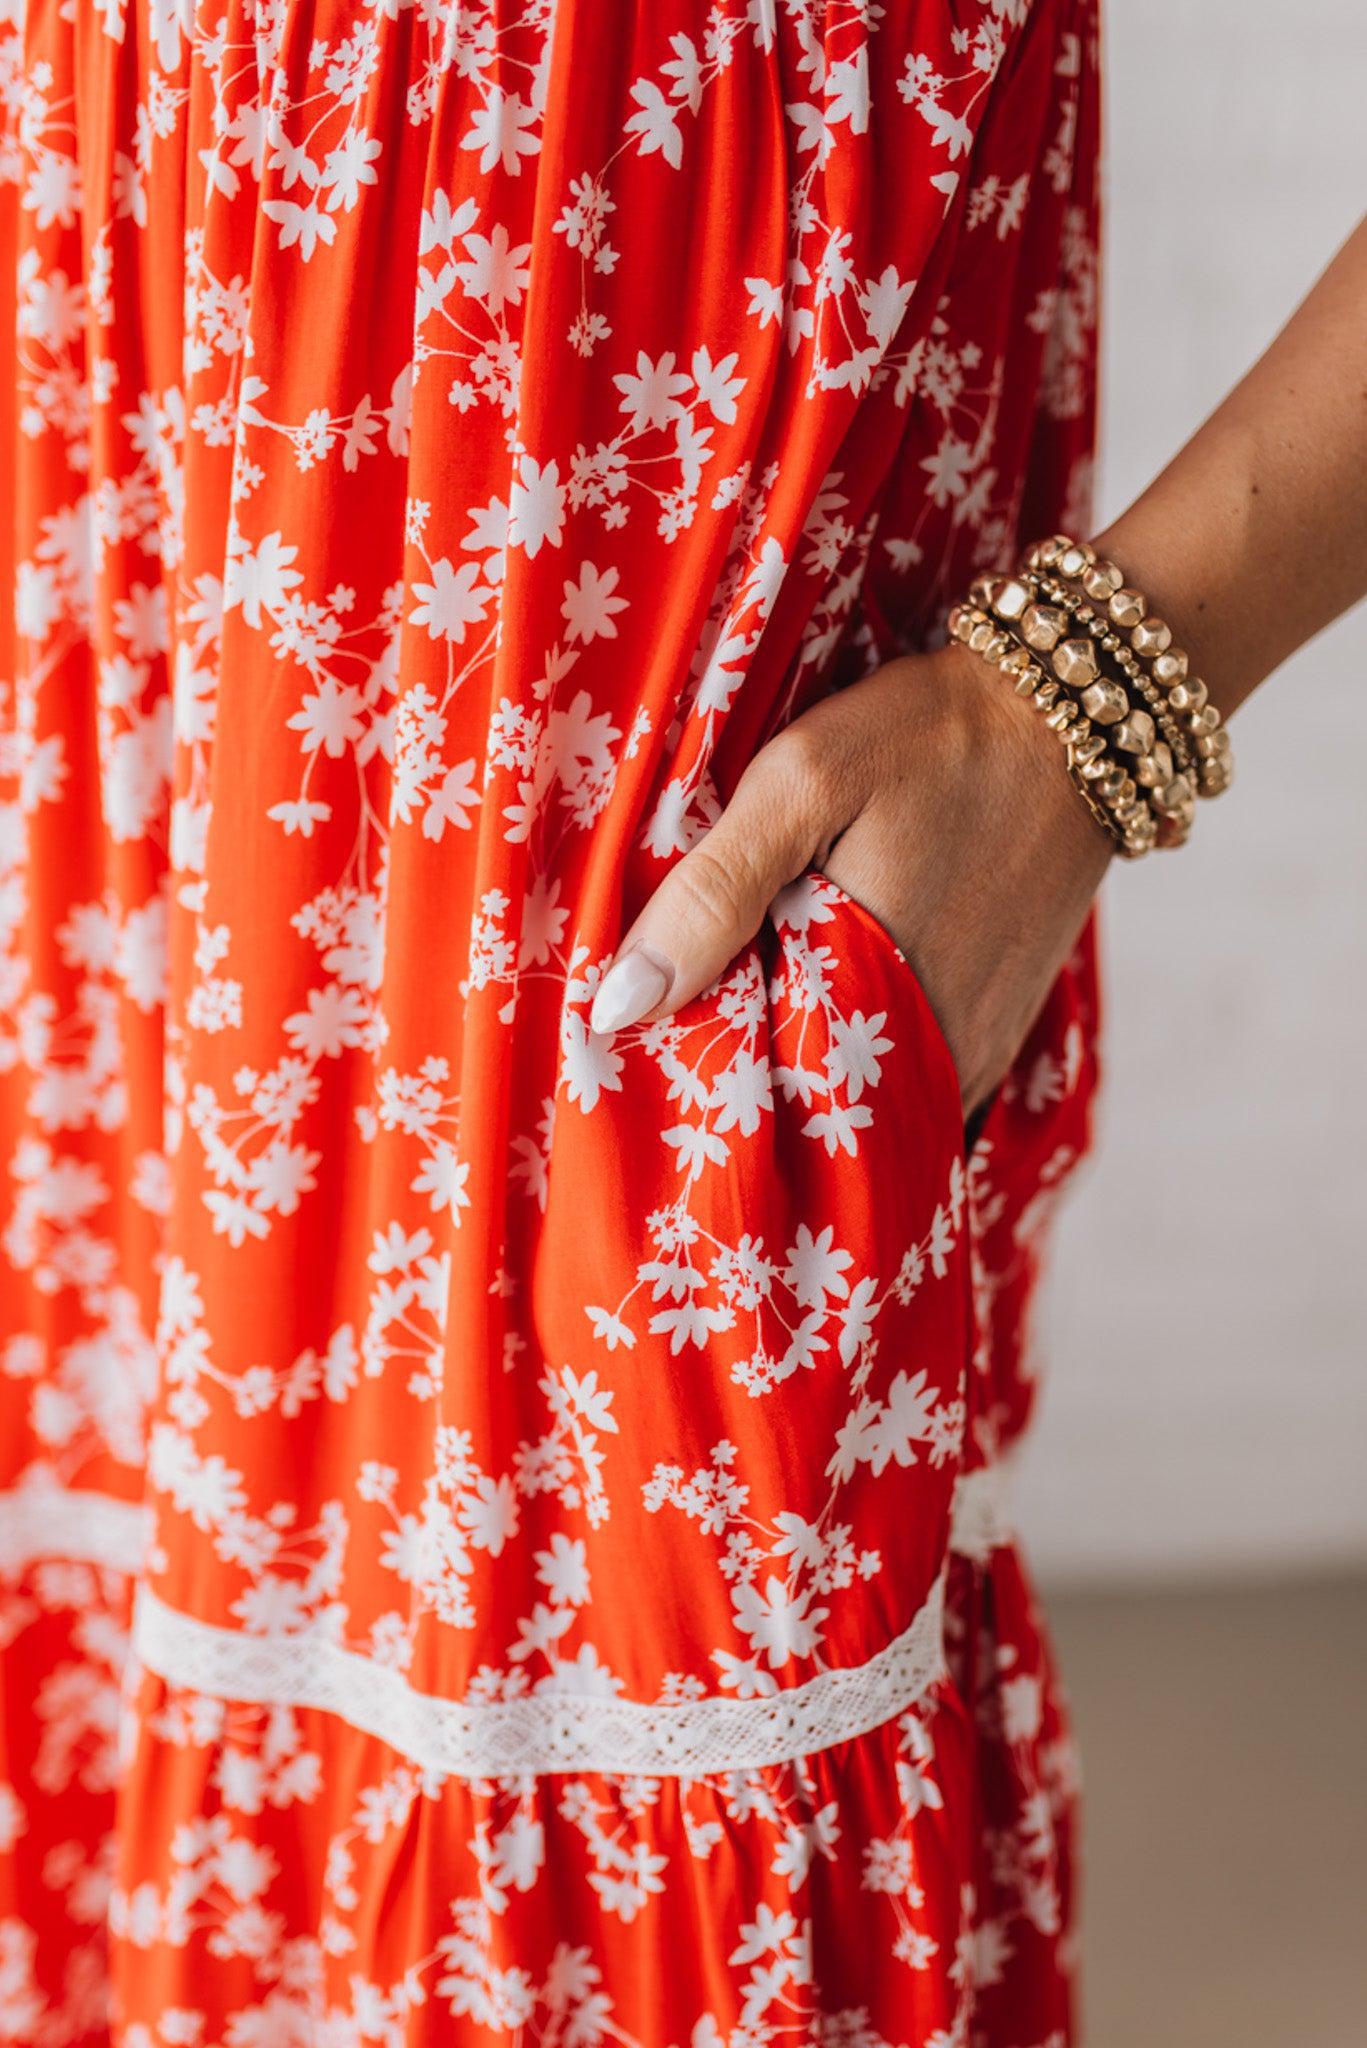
<point>713,901</point>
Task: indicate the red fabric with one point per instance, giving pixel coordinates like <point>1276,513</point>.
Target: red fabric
<point>500,1534</point>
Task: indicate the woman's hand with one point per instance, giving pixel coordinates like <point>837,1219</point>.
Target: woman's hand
<point>940,803</point>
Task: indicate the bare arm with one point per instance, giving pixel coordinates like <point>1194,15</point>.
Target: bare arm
<point>1255,535</point>
<point>933,796</point>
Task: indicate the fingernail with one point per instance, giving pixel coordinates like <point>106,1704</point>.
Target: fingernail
<point>629,990</point>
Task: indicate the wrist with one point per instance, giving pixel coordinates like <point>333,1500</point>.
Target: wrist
<point>1205,620</point>
<point>1143,740</point>
<point>1014,763</point>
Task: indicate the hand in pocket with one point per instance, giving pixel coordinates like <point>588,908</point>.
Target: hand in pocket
<point>936,801</point>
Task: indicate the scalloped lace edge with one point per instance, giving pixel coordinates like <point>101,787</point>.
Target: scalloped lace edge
<point>546,1731</point>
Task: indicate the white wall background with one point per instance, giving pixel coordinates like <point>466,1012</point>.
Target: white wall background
<point>1205,1333</point>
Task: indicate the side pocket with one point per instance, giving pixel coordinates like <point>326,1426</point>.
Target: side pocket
<point>973,1124</point>
<point>826,890</point>
<point>753,1241</point>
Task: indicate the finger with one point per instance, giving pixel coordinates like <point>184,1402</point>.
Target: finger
<point>786,805</point>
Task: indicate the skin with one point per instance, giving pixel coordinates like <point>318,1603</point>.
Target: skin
<point>938,800</point>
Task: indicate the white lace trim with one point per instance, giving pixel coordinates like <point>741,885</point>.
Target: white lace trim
<point>42,1521</point>
<point>547,1731</point>
<point>979,1521</point>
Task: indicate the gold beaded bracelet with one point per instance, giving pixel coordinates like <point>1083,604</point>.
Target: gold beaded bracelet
<point>1126,616</point>
<point>1115,703</point>
<point>1141,739</point>
<point>1109,793</point>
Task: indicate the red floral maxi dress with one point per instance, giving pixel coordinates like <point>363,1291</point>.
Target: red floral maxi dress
<point>502,1535</point>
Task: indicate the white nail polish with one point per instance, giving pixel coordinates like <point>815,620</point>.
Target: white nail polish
<point>631,988</point>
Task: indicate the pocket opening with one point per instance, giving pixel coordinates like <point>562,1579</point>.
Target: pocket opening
<point>912,979</point>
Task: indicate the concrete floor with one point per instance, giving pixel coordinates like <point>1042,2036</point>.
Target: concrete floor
<point>1224,1747</point>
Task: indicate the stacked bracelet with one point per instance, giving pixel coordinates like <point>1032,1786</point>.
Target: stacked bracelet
<point>1141,741</point>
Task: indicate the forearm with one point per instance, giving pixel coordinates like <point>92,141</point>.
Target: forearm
<point>1255,536</point>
